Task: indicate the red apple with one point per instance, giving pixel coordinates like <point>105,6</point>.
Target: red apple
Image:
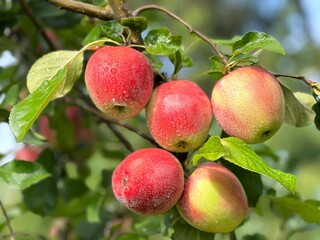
<point>248,103</point>
<point>28,153</point>
<point>213,199</point>
<point>149,181</point>
<point>179,115</point>
<point>119,81</point>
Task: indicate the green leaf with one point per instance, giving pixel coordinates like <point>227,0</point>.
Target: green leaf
<point>289,206</point>
<point>22,174</point>
<point>218,69</point>
<point>227,42</point>
<point>161,42</point>
<point>43,205</point>
<point>12,96</point>
<point>24,114</point>
<point>297,114</point>
<point>212,150</point>
<point>135,24</point>
<point>242,155</point>
<point>256,236</point>
<point>239,153</point>
<point>183,230</point>
<point>94,35</point>
<point>316,109</point>
<point>112,29</point>
<point>251,182</point>
<point>257,40</point>
<point>46,67</point>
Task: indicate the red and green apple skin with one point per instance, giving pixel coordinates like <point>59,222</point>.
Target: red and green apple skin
<point>179,115</point>
<point>119,80</point>
<point>149,181</point>
<point>213,200</point>
<point>248,103</point>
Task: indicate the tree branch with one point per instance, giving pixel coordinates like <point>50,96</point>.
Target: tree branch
<point>188,26</point>
<point>120,9</point>
<point>83,8</point>
<point>37,25</point>
<point>314,85</point>
<point>7,221</point>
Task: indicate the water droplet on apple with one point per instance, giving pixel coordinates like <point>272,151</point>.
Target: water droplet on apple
<point>126,93</point>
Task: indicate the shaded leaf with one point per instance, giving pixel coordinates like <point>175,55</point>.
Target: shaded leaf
<point>257,40</point>
<point>22,174</point>
<point>161,42</point>
<point>256,236</point>
<point>250,181</point>
<point>46,67</point>
<point>316,109</point>
<point>297,114</point>
<point>12,96</point>
<point>135,24</point>
<point>43,205</point>
<point>24,114</point>
<point>289,206</point>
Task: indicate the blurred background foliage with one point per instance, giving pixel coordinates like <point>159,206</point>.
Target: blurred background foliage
<point>76,162</point>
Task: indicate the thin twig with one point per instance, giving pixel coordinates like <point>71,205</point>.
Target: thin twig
<point>84,8</point>
<point>314,85</point>
<point>37,24</point>
<point>107,119</point>
<point>188,26</point>
<point>122,139</point>
<point>7,221</point>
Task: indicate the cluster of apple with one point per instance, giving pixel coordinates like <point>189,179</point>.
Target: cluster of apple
<point>247,103</point>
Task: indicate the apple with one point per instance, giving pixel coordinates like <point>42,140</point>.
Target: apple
<point>149,181</point>
<point>213,200</point>
<point>119,80</point>
<point>248,103</point>
<point>28,153</point>
<point>179,115</point>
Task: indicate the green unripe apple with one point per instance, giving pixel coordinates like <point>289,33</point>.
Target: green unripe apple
<point>213,200</point>
<point>248,103</point>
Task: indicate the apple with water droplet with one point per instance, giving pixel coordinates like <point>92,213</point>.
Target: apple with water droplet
<point>149,181</point>
<point>213,200</point>
<point>119,80</point>
<point>179,115</point>
<point>248,103</point>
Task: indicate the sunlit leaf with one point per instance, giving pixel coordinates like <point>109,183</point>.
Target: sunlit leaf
<point>46,67</point>
<point>257,40</point>
<point>239,153</point>
<point>22,174</point>
<point>24,114</point>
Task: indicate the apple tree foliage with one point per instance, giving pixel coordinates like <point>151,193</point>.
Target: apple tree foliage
<point>67,190</point>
